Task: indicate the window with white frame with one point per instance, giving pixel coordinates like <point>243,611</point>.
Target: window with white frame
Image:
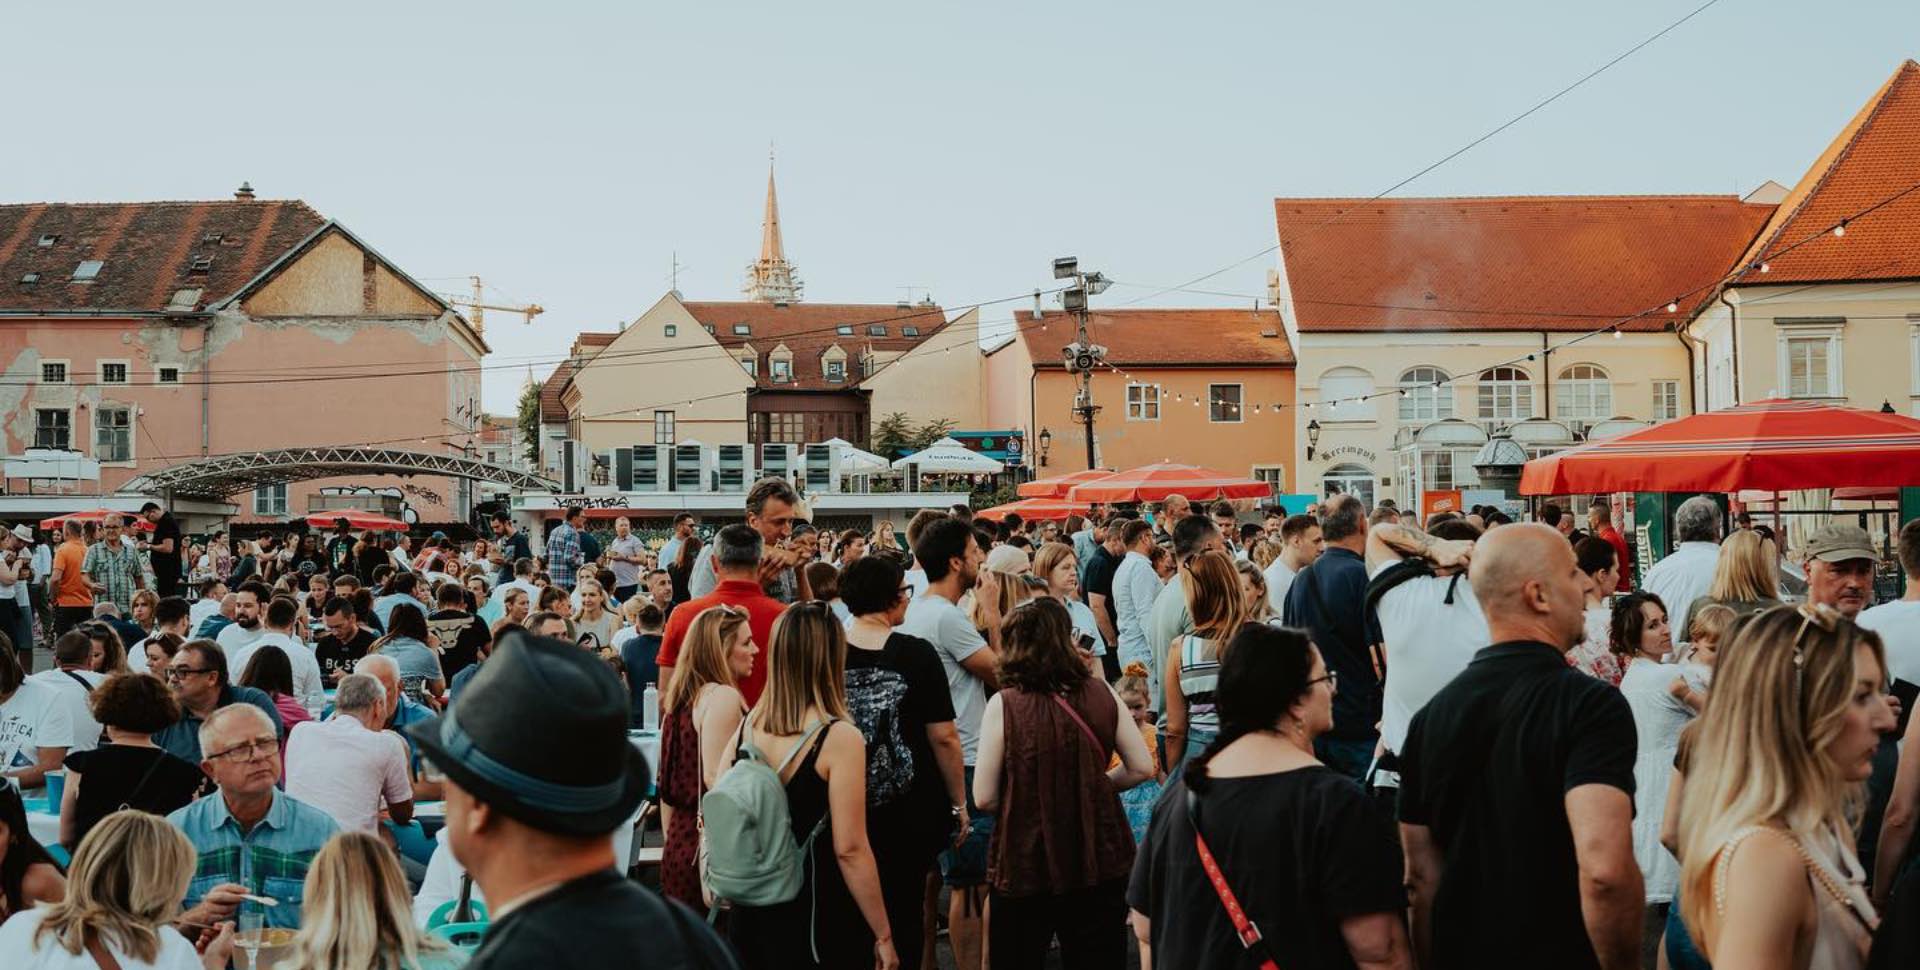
<point>53,428</point>
<point>1347,393</point>
<point>1506,394</point>
<point>751,365</point>
<point>1666,400</point>
<point>1223,404</point>
<point>836,370</point>
<point>113,372</point>
<point>53,372</point>
<point>1425,395</point>
<point>781,369</point>
<point>663,427</point>
<point>1274,475</point>
<point>166,375</point>
<point>1809,355</point>
<point>112,433</point>
<point>1583,392</point>
<point>1143,402</point>
<point>270,500</point>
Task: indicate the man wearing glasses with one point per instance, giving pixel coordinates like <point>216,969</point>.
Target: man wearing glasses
<point>198,676</point>
<point>252,838</point>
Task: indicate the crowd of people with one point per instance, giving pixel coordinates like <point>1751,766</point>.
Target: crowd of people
<point>1343,738</point>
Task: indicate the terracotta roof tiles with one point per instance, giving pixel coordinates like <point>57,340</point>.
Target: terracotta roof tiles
<point>1171,337</point>
<point>809,329</point>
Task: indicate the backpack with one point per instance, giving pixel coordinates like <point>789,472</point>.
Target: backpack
<point>874,696</point>
<point>748,854</point>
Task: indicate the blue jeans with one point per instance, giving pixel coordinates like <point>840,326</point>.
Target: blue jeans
<point>1681,953</point>
<point>1349,758</point>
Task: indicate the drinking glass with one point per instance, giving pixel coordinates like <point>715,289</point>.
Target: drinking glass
<point>250,931</point>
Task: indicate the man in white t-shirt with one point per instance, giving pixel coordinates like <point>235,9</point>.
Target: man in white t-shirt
<point>1300,545</point>
<point>212,591</point>
<point>1898,622</point>
<point>249,603</point>
<point>35,728</point>
<point>347,766</point>
<point>308,686</point>
<point>170,615</point>
<point>953,560</point>
<point>1687,573</point>
<point>1431,624</point>
<point>74,684</point>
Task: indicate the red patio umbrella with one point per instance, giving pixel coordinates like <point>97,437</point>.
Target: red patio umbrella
<point>1154,483</point>
<point>1056,487</point>
<point>1034,510</point>
<point>1772,446</point>
<point>94,516</point>
<point>356,519</point>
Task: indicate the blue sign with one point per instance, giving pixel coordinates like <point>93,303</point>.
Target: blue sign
<point>1004,446</point>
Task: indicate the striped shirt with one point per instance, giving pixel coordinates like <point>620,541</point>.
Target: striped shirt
<point>1199,677</point>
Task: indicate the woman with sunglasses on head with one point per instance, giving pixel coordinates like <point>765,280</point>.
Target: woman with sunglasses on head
<point>700,714</point>
<point>1062,848</point>
<point>1768,876</point>
<point>1307,859</point>
<point>800,727</point>
<point>897,693</point>
<point>1218,607</point>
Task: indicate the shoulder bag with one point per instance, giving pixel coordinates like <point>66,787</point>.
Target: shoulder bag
<point>1249,934</point>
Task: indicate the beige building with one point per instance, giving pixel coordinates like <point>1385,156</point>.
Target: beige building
<point>1422,326</point>
<point>1820,314</point>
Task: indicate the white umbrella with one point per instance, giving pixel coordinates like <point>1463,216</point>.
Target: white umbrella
<point>948,456</point>
<point>854,461</point>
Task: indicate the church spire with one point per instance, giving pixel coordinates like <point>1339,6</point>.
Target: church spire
<point>770,279</point>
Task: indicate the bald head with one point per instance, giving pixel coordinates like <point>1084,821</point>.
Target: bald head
<point>1530,585</point>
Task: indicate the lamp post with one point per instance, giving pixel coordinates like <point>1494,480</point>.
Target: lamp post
<point>1083,355</point>
<point>1313,437</point>
<point>1046,445</point>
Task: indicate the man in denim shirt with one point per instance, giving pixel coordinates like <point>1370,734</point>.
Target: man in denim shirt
<point>250,837</point>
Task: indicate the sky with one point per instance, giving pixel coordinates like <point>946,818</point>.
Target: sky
<point>569,152</point>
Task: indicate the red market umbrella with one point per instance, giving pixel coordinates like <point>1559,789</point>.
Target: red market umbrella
<point>1154,483</point>
<point>1056,487</point>
<point>1034,510</point>
<point>1772,446</point>
<point>94,516</point>
<point>356,519</point>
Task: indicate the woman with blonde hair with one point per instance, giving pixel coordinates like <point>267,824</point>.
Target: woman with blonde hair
<point>800,729</point>
<point>1253,584</point>
<point>700,712</point>
<point>359,913</point>
<point>594,619</point>
<point>1013,592</point>
<point>1060,568</point>
<point>1768,876</point>
<point>123,892</point>
<point>1746,579</point>
<point>1219,609</point>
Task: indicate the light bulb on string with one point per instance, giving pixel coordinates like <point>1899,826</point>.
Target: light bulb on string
<point>1841,229</point>
<point>1616,333</point>
<point>1673,306</point>
<point>1765,267</point>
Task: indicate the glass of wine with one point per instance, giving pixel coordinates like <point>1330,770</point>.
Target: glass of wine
<point>250,932</point>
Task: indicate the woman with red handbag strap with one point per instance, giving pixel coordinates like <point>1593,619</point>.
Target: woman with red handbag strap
<point>1264,856</point>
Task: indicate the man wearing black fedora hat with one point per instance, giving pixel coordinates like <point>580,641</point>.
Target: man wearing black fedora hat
<point>529,818</point>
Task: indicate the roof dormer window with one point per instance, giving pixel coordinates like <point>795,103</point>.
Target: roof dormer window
<point>742,330</point>
<point>88,270</point>
<point>47,241</point>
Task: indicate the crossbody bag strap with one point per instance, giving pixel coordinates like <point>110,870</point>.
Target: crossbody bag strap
<point>1077,719</point>
<point>1243,926</point>
<point>97,948</point>
<point>141,785</point>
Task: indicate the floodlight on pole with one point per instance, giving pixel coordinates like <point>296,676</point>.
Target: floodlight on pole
<point>1074,300</point>
<point>1066,267</point>
<point>1097,284</point>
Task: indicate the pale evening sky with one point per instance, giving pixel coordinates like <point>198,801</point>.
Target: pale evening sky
<point>565,151</point>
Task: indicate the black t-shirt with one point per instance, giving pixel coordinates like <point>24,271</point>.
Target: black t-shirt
<point>1338,580</point>
<point>1302,850</point>
<point>166,565</point>
<point>340,554</point>
<point>514,547</point>
<point>111,776</point>
<point>1100,569</point>
<point>908,673</point>
<point>601,920</point>
<point>336,658</point>
<point>309,564</point>
<point>1486,767</point>
<point>461,636</point>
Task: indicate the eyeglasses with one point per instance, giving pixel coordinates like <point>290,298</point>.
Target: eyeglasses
<point>181,673</point>
<point>246,751</point>
<point>1332,678</point>
<point>1829,620</point>
<point>906,589</point>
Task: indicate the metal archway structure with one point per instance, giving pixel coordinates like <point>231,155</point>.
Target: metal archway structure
<point>219,476</point>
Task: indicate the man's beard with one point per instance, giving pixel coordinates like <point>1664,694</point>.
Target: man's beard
<point>248,622</point>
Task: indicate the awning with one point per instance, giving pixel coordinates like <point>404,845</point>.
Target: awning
<point>1154,483</point>
<point>1034,510</point>
<point>1056,487</point>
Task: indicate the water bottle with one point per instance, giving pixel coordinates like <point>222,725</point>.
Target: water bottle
<point>650,708</point>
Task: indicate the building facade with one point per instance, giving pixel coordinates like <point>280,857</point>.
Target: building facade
<point>1425,325</point>
<point>144,335</point>
<point>1201,387</point>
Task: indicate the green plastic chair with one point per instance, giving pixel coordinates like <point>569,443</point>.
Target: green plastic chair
<point>444,912</point>
<point>463,936</point>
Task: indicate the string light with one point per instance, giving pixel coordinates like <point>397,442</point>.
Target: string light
<point>1841,229</point>
<point>1765,267</point>
<point>1616,333</point>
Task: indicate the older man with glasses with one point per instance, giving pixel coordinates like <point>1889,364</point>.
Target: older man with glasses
<point>200,682</point>
<point>252,838</point>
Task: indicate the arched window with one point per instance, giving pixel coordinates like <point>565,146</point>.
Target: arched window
<point>1506,394</point>
<point>1420,399</point>
<point>1583,393</point>
<point>1347,393</point>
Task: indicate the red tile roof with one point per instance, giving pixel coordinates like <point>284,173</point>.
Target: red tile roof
<point>1167,338</point>
<point>1875,157</point>
<point>148,250</point>
<point>809,329</point>
<point>1561,263</point>
<point>551,410</point>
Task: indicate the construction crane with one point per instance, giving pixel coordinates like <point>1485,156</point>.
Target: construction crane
<point>479,305</point>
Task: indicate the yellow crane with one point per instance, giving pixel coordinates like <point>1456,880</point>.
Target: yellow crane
<point>479,305</point>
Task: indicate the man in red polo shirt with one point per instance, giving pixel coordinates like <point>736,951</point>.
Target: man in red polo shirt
<point>736,559</point>
<point>1600,523</point>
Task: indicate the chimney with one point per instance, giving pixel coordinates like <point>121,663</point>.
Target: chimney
<point>1036,304</point>
<point>244,193</point>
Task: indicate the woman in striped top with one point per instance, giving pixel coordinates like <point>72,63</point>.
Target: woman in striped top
<point>1212,586</point>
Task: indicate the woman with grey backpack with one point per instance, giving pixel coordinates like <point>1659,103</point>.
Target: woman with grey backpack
<point>806,893</point>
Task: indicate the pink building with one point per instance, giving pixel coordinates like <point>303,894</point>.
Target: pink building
<point>140,336</point>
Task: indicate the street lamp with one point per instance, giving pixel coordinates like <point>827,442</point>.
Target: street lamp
<point>1084,355</point>
<point>1046,445</point>
<point>1313,437</point>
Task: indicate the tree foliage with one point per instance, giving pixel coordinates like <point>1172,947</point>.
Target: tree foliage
<point>896,434</point>
<point>529,422</point>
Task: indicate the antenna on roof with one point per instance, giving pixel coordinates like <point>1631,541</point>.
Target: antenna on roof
<point>674,275</point>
